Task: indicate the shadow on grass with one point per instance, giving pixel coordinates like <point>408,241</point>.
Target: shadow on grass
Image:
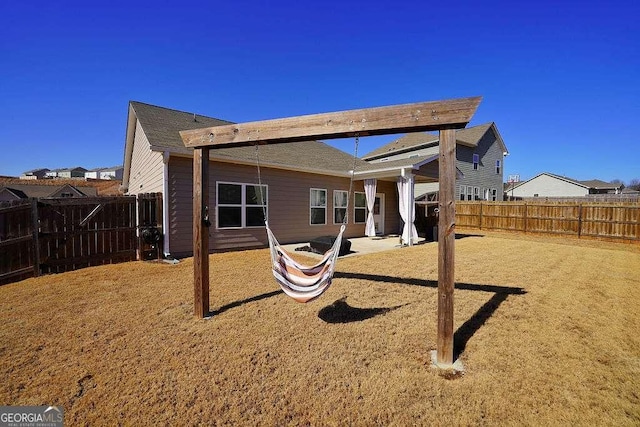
<point>341,312</point>
<point>464,333</point>
<point>244,301</point>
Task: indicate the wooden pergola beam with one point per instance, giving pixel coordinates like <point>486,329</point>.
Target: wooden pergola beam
<point>417,117</point>
<point>444,116</point>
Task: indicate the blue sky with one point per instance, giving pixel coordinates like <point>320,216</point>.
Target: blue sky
<point>560,79</point>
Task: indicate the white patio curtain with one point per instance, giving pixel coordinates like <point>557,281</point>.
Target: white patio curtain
<point>370,193</point>
<point>407,209</point>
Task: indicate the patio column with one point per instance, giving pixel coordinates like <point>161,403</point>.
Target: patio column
<point>406,205</point>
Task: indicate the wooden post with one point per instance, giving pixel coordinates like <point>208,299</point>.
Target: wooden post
<point>446,242</point>
<point>201,231</point>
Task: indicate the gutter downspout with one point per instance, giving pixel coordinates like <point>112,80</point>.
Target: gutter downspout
<point>165,203</point>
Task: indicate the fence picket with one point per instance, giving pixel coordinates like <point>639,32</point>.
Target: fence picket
<point>56,235</point>
<point>597,220</point>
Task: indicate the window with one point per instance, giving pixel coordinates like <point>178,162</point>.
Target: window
<point>318,206</point>
<point>462,193</point>
<point>469,193</point>
<point>340,199</point>
<point>360,208</point>
<point>498,167</point>
<point>494,194</point>
<point>476,193</point>
<point>240,205</point>
<point>476,161</point>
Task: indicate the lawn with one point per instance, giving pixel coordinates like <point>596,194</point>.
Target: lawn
<point>547,330</point>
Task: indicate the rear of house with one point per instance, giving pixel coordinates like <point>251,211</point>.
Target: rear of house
<point>305,185</point>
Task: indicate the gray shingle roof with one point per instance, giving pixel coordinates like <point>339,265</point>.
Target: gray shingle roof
<point>468,136</point>
<point>600,185</point>
<point>42,191</point>
<point>162,125</point>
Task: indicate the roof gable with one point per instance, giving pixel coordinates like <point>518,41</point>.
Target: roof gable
<point>414,141</point>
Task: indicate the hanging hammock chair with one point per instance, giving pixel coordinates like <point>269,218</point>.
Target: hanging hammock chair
<point>300,282</point>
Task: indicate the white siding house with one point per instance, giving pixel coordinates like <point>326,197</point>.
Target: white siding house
<point>550,185</point>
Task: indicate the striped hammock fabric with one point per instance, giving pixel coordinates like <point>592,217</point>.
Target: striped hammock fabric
<point>300,282</point>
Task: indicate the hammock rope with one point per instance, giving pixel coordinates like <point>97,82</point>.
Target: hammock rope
<point>298,281</point>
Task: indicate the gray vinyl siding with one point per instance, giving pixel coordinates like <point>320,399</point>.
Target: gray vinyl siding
<point>146,166</point>
<point>288,206</point>
<point>485,177</point>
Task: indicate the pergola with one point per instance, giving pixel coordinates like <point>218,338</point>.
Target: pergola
<point>443,116</point>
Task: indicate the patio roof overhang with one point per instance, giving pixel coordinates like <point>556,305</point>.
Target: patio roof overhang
<point>424,168</point>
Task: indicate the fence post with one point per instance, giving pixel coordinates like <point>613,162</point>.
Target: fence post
<point>35,232</point>
<point>579,220</point>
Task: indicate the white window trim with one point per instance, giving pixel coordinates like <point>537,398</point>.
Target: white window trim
<point>355,208</point>
<point>498,167</point>
<point>476,161</point>
<point>243,205</point>
<point>339,207</point>
<point>325,207</point>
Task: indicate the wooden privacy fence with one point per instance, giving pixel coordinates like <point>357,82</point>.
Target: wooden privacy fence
<point>600,220</point>
<point>39,236</point>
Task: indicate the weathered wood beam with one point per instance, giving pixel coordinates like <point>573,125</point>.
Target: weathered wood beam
<point>417,117</point>
<point>446,249</point>
<point>201,232</point>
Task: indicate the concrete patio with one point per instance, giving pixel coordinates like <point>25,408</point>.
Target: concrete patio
<point>361,245</point>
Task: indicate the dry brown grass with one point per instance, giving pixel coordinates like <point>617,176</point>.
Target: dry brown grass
<point>549,329</point>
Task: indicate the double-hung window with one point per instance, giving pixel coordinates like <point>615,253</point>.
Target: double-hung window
<point>340,199</point>
<point>462,192</point>
<point>360,208</point>
<point>498,165</point>
<point>318,206</point>
<point>476,161</point>
<point>240,205</point>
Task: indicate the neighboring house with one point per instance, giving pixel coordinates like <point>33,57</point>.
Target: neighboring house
<point>15,191</point>
<point>480,153</point>
<point>53,173</point>
<point>306,184</point>
<point>114,172</point>
<point>77,172</point>
<point>35,174</point>
<point>550,185</point>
